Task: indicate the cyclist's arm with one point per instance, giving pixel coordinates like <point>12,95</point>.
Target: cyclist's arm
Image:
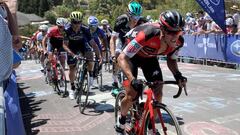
<point>125,64</point>
<point>66,48</point>
<point>44,43</point>
<point>173,56</point>
<point>103,39</point>
<point>129,51</point>
<point>95,48</point>
<point>113,44</point>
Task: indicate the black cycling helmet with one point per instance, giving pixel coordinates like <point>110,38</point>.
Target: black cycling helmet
<point>171,21</point>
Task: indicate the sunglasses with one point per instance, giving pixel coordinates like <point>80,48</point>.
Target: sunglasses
<point>134,17</point>
<point>75,22</point>
<point>61,27</point>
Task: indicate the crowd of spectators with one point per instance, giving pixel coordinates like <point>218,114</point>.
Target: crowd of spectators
<point>202,23</point>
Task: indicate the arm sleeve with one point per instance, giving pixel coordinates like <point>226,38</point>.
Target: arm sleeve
<point>135,45</point>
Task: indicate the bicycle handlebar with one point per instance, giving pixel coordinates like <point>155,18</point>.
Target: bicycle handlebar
<point>169,82</point>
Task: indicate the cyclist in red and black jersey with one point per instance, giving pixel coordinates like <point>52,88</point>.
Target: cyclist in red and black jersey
<point>54,39</point>
<point>147,41</point>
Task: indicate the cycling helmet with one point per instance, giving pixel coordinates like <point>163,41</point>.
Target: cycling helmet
<point>134,8</point>
<point>61,21</point>
<point>171,21</point>
<point>76,16</point>
<point>229,21</point>
<point>43,27</point>
<point>93,21</point>
<point>104,22</point>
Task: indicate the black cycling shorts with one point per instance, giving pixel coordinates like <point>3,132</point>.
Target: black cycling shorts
<point>150,68</point>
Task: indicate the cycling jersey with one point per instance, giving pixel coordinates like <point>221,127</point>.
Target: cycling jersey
<point>55,38</point>
<point>99,33</point>
<point>145,41</point>
<point>121,26</point>
<point>78,41</point>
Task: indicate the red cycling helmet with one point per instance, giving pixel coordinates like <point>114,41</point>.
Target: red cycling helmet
<point>171,21</point>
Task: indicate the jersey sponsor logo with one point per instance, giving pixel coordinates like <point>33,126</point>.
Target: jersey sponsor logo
<point>235,48</point>
<point>148,49</point>
<point>134,47</point>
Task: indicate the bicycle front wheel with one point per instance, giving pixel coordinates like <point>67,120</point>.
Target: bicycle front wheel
<point>165,122</point>
<point>117,109</point>
<point>84,92</point>
<point>62,81</point>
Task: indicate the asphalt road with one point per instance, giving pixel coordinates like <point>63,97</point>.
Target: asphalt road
<point>212,107</point>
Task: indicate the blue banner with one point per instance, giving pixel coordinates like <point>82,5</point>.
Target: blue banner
<point>216,10</point>
<point>14,122</point>
<point>233,49</point>
<point>217,47</point>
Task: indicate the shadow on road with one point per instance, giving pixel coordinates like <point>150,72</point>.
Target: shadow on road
<point>29,106</point>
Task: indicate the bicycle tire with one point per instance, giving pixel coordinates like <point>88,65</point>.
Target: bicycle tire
<point>84,92</point>
<point>117,108</point>
<point>170,122</point>
<point>55,80</point>
<point>62,82</point>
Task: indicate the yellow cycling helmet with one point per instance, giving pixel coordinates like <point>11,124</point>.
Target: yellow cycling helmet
<point>76,16</point>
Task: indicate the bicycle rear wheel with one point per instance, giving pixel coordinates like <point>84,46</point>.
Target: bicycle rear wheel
<point>165,124</point>
<point>84,92</point>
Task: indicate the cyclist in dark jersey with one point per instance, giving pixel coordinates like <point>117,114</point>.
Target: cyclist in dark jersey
<point>146,42</point>
<point>78,40</point>
<point>123,24</point>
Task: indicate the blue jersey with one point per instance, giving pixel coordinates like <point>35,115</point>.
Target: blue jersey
<point>99,33</point>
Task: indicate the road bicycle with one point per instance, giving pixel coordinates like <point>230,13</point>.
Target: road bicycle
<point>141,115</point>
<point>82,82</point>
<point>55,75</point>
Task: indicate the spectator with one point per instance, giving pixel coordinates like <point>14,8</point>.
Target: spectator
<point>231,29</point>
<point>6,54</point>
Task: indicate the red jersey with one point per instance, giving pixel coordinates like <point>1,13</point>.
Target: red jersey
<point>55,37</point>
<point>145,41</point>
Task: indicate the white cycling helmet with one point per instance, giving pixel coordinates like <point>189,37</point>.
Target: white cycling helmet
<point>43,27</point>
<point>104,22</point>
<point>229,21</point>
<point>61,21</point>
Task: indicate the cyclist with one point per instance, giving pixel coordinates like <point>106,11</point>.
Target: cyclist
<point>123,24</point>
<point>43,31</point>
<point>108,32</point>
<point>78,40</point>
<point>106,28</point>
<point>99,37</point>
<point>54,41</point>
<point>148,41</point>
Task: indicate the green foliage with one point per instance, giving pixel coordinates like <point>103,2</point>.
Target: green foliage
<point>51,16</point>
<point>28,30</point>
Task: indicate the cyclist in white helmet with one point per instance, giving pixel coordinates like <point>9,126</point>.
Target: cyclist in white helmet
<point>54,40</point>
<point>43,31</point>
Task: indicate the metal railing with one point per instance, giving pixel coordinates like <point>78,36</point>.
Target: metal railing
<point>2,111</point>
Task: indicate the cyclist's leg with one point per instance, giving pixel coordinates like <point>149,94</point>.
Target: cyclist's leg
<point>72,69</point>
<point>130,96</point>
<point>87,51</point>
<point>62,57</point>
<point>153,73</point>
<point>118,50</point>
